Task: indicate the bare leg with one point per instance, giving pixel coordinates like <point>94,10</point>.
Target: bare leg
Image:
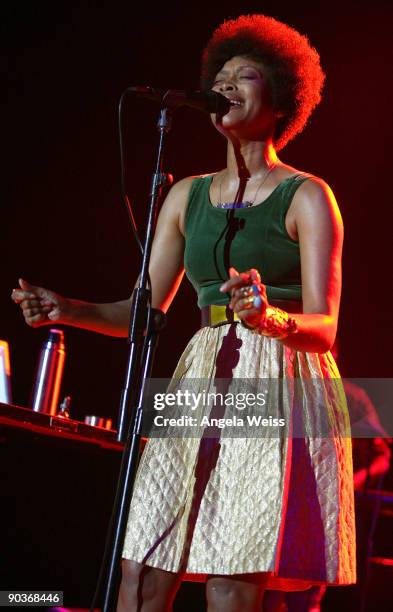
<point>239,593</point>
<point>146,589</point>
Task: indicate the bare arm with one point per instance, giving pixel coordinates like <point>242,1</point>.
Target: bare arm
<point>42,307</point>
<point>320,233</point>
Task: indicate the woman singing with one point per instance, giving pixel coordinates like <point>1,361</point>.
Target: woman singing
<point>261,243</point>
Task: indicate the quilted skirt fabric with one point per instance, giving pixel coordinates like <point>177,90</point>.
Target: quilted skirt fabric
<point>231,505</point>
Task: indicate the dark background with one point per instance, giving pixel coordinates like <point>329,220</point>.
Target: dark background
<point>63,225</point>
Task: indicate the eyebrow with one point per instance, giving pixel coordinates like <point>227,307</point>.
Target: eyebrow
<point>223,71</point>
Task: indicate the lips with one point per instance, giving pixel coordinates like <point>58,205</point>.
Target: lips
<point>235,101</point>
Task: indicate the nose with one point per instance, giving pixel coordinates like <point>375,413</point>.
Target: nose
<point>227,85</point>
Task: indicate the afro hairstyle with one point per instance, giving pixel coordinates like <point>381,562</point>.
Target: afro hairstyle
<point>292,64</point>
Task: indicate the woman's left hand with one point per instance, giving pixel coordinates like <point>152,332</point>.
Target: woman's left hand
<point>248,295</point>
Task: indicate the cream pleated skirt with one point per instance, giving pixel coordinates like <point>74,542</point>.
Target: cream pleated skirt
<point>282,505</point>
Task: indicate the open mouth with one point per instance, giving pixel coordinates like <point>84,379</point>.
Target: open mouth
<point>235,103</point>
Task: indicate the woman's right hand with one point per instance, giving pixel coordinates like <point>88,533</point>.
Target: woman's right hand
<point>41,306</point>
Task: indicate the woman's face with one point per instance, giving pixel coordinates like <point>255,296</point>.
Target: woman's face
<point>245,81</point>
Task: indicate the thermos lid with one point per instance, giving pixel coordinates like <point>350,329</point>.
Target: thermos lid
<point>56,336</point>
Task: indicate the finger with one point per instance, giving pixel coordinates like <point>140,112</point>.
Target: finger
<point>262,291</point>
<point>26,304</point>
<point>54,315</point>
<point>245,275</point>
<point>244,304</point>
<point>252,275</point>
<point>18,295</point>
<point>25,285</point>
<point>256,290</point>
<point>239,278</point>
<point>232,283</point>
<point>243,292</point>
<point>251,316</point>
<point>255,276</point>
<point>249,313</point>
<point>40,291</point>
<point>258,301</point>
<point>238,295</point>
<point>32,312</point>
<point>36,320</point>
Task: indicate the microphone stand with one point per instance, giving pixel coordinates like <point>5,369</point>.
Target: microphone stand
<point>145,325</point>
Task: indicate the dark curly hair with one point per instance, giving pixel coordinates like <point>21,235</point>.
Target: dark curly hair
<point>292,64</point>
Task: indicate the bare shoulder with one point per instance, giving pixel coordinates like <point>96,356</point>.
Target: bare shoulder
<point>313,208</point>
<point>177,197</point>
<point>176,201</point>
<point>180,191</point>
<point>315,199</point>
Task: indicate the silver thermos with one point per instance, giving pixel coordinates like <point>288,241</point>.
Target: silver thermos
<point>49,374</point>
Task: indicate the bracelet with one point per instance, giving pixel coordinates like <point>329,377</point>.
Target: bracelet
<point>275,323</point>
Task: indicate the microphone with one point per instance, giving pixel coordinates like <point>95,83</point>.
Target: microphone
<point>208,101</point>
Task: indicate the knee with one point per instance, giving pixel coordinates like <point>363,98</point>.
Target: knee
<point>135,583</point>
<point>223,594</point>
<point>130,572</point>
<point>240,594</point>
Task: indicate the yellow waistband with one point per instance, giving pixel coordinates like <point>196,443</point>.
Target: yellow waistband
<point>217,315</point>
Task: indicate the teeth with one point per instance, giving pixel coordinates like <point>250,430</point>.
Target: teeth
<point>236,102</point>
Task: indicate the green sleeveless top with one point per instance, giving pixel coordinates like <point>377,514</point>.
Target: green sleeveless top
<point>254,237</point>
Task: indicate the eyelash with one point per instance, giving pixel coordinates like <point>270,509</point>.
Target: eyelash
<point>248,77</point>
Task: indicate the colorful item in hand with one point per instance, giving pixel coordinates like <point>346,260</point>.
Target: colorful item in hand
<point>257,301</point>
<point>276,323</point>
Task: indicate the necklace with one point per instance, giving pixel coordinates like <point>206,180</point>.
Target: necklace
<point>246,203</point>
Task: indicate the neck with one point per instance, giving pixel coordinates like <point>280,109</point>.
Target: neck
<point>249,159</point>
